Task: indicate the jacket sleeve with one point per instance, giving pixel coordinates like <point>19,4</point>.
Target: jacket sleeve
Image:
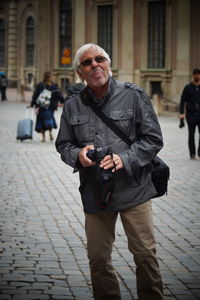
<point>58,94</point>
<point>183,100</point>
<point>65,142</point>
<point>60,97</point>
<point>36,93</point>
<point>148,141</point>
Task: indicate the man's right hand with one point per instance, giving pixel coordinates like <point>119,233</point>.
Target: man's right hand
<point>84,160</point>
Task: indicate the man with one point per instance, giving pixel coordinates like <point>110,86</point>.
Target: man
<point>3,86</point>
<point>131,187</point>
<point>190,109</point>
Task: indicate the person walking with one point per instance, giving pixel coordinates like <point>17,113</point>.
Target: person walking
<point>3,86</point>
<point>190,110</point>
<point>129,188</point>
<point>46,99</point>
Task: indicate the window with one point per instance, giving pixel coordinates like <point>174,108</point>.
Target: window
<point>30,45</point>
<point>65,33</point>
<point>2,42</point>
<point>105,28</point>
<point>156,34</point>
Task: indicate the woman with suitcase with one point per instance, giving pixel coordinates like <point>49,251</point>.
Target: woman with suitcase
<point>46,98</point>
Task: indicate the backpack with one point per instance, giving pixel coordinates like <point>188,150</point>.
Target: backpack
<point>43,100</point>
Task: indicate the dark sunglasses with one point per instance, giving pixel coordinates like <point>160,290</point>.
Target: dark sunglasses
<point>88,62</point>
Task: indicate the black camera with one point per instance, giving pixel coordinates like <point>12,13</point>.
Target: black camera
<point>182,123</point>
<point>97,154</point>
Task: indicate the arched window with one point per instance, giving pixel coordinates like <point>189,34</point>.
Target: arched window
<point>65,33</point>
<point>2,42</point>
<point>30,41</point>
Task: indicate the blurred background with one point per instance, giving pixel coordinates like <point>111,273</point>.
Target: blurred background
<point>155,44</point>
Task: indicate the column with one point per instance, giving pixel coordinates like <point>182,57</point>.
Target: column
<point>12,42</point>
<point>182,74</point>
<point>79,28</point>
<point>127,50</point>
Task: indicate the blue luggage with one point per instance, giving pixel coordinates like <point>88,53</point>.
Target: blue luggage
<point>25,128</point>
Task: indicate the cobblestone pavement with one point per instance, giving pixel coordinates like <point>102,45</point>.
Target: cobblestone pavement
<point>42,250</point>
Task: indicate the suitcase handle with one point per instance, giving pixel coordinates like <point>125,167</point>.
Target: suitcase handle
<point>27,112</point>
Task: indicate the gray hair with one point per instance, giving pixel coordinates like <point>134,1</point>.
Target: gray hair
<point>84,49</point>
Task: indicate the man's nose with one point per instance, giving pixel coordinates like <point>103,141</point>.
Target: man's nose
<point>94,63</point>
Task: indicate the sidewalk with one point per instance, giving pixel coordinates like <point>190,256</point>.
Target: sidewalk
<point>42,250</point>
<point>13,96</point>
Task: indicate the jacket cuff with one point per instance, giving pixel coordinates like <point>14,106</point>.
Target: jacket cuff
<point>129,162</point>
<point>78,166</point>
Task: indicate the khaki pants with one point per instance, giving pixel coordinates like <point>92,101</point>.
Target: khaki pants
<point>138,226</point>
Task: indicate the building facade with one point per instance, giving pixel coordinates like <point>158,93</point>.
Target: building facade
<point>154,43</point>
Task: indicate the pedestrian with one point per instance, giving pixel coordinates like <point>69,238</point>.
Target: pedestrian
<point>130,188</point>
<point>3,86</point>
<point>74,88</point>
<point>46,99</point>
<point>190,110</point>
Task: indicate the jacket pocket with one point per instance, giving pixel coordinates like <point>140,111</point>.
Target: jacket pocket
<point>123,118</point>
<point>80,124</point>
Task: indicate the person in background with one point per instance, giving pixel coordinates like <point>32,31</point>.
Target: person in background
<point>129,188</point>
<point>3,86</point>
<point>190,110</point>
<point>45,120</point>
<point>74,88</point>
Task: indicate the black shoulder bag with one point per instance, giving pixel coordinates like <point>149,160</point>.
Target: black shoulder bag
<point>159,170</point>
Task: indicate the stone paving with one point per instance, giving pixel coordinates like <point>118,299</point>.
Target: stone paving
<point>42,250</point>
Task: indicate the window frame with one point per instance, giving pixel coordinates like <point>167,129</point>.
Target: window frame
<point>65,43</point>
<point>156,47</point>
<point>109,34</point>
<point>30,42</point>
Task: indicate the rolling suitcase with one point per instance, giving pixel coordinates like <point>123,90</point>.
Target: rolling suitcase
<point>25,128</point>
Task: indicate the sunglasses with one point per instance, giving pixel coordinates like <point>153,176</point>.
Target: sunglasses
<point>88,62</point>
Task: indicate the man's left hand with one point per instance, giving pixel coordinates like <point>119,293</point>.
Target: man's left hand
<point>114,162</point>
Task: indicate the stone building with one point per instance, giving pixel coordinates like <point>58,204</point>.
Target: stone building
<point>154,43</point>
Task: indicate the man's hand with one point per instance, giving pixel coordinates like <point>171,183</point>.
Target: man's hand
<point>84,160</point>
<point>112,162</point>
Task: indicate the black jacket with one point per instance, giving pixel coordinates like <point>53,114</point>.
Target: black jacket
<point>131,110</point>
<point>56,95</point>
<point>190,99</point>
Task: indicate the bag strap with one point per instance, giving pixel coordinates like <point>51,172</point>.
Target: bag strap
<point>109,123</point>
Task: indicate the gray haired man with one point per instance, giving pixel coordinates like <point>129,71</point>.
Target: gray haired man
<point>130,189</point>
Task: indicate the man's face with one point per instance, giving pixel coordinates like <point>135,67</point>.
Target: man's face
<point>94,69</point>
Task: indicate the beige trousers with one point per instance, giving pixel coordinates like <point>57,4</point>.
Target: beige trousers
<point>138,226</point>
